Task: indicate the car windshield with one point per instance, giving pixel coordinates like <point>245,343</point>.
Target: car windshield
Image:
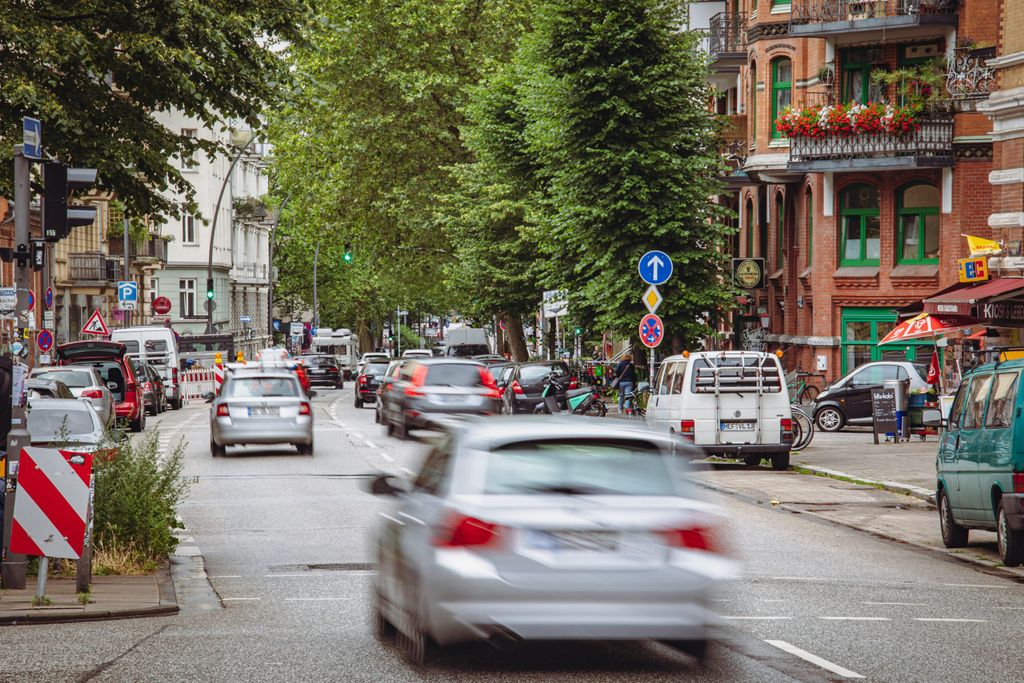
<point>533,373</point>
<point>621,467</point>
<point>317,361</point>
<point>261,387</point>
<point>454,375</point>
<point>74,379</point>
<point>376,369</point>
<point>46,424</point>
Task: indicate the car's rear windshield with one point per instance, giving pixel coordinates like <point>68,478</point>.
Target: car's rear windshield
<point>454,375</point>
<point>376,368</point>
<point>73,378</point>
<point>51,425</point>
<point>468,350</point>
<point>579,466</point>
<point>317,361</point>
<point>261,387</point>
<point>533,373</point>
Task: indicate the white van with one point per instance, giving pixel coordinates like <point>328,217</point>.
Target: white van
<point>732,403</point>
<point>155,345</point>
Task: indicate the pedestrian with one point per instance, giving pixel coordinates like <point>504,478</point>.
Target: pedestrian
<point>625,378</point>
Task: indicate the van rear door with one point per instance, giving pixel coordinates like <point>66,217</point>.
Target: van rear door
<point>737,397</point>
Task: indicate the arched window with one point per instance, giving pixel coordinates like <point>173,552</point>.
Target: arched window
<point>860,243</point>
<point>780,226</point>
<point>782,89</point>
<point>809,224</point>
<point>750,228</point>
<point>917,217</point>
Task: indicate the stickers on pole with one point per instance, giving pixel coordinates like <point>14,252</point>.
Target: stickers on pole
<point>95,325</point>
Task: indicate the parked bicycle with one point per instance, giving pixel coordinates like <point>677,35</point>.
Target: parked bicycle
<point>799,390</point>
<point>803,428</point>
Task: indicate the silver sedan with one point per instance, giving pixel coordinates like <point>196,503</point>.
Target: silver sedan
<point>266,407</point>
<point>84,382</point>
<point>523,528</point>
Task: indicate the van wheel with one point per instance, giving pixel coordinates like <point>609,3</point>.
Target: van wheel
<point>780,462</point>
<point>830,419</point>
<point>1010,542</point>
<point>953,535</point>
<point>752,461</point>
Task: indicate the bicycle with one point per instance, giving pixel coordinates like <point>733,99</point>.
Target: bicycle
<point>803,429</point>
<point>800,392</point>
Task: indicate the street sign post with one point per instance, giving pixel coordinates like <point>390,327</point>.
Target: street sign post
<point>655,267</point>
<point>652,331</point>
<point>245,319</point>
<point>127,295</point>
<point>31,138</point>
<point>296,329</point>
<point>652,299</point>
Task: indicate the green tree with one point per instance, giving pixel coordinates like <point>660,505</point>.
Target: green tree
<point>96,72</point>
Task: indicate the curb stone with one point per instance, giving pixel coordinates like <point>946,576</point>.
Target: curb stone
<point>894,486</point>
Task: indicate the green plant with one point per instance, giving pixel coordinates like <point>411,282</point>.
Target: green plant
<point>84,598</point>
<point>919,85</point>
<point>137,493</point>
<point>41,601</point>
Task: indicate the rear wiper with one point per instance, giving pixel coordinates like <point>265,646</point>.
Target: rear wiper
<point>567,490</point>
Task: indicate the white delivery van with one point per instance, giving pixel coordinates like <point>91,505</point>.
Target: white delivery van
<point>731,403</point>
<point>155,345</point>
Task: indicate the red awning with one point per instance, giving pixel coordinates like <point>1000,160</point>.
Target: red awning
<point>963,301</point>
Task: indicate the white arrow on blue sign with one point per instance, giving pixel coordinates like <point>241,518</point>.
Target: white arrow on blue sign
<point>31,138</point>
<point>655,267</point>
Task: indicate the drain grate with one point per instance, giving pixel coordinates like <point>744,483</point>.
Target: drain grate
<point>324,567</point>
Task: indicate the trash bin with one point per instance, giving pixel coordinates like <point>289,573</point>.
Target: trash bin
<point>901,390</point>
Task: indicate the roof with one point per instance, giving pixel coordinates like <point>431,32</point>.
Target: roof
<point>489,432</point>
<point>960,301</point>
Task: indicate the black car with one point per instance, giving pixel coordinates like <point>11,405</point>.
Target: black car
<point>429,390</point>
<point>526,383</point>
<point>367,381</point>
<point>847,401</point>
<point>384,386</point>
<point>153,392</point>
<point>323,369</point>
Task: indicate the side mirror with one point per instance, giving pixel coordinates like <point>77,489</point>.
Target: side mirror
<point>209,396</point>
<point>643,387</point>
<point>387,485</point>
<point>118,435</point>
<point>932,417</point>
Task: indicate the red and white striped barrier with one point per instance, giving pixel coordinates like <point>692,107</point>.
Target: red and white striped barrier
<point>218,378</point>
<point>196,383</point>
<point>52,503</point>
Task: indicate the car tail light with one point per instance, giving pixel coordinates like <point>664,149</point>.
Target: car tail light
<point>787,428</point>
<point>304,409</point>
<point>147,386</point>
<point>363,379</point>
<point>501,392</point>
<point>332,369</point>
<point>1018,482</point>
<point>419,378</point>
<point>462,532</point>
<point>517,389</point>
<point>694,538</point>
<point>573,383</point>
<point>488,381</point>
<point>222,410</point>
<point>687,428</point>
<point>92,393</point>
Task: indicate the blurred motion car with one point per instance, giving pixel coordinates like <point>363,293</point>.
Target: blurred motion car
<point>367,382</point>
<point>84,382</point>
<point>384,386</point>
<point>417,353</point>
<point>543,528</point>
<point>68,423</point>
<point>526,384</point>
<point>429,390</point>
<point>260,406</point>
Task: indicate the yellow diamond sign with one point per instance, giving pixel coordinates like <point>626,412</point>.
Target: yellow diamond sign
<point>652,299</point>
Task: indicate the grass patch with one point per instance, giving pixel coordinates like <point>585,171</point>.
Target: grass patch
<point>41,601</point>
<point>83,598</point>
<point>113,556</point>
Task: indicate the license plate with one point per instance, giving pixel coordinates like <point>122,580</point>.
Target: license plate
<point>573,541</point>
<point>264,411</point>
<point>737,426</point>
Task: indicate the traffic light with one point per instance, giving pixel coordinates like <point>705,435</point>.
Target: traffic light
<point>578,331</point>
<point>209,288</point>
<point>347,255</point>
<point>59,216</point>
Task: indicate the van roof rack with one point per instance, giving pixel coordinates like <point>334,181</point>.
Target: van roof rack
<point>1001,353</point>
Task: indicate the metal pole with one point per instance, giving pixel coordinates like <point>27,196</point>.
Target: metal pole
<point>316,302</point>
<point>398,330</point>
<point>270,270</point>
<point>126,242</point>
<point>44,569</point>
<point>15,565</point>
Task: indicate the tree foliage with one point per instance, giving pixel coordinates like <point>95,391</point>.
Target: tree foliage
<point>95,71</point>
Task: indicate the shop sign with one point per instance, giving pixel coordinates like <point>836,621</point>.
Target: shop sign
<point>973,269</point>
<point>1007,313</point>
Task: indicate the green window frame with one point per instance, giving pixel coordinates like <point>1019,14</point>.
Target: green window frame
<point>781,3</point>
<point>753,104</point>
<point>860,226</point>
<point>782,89</point>
<point>809,208</point>
<point>917,227</point>
<point>863,328</point>
<point>780,227</point>
<point>856,85</point>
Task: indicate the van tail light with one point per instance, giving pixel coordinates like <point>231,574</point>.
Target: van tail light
<point>1018,482</point>
<point>419,378</point>
<point>304,409</point>
<point>574,383</point>
<point>787,429</point>
<point>694,538</point>
<point>222,410</point>
<point>487,379</point>
<point>92,393</point>
<point>462,532</point>
<point>174,375</point>
<point>517,389</point>
<point>687,428</point>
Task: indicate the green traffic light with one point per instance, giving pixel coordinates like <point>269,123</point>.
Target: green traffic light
<point>579,331</point>
<point>347,254</point>
<point>209,294</point>
<point>347,257</point>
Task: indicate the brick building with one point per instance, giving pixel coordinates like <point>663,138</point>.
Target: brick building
<point>853,226</point>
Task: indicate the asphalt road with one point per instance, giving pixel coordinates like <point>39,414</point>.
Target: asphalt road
<point>287,542</point>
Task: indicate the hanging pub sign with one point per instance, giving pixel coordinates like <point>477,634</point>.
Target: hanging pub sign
<point>748,273</point>
<point>974,269</point>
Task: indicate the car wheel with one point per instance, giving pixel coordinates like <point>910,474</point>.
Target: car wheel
<point>304,448</point>
<point>698,649</point>
<point>953,535</point>
<point>376,414</point>
<point>217,451</point>
<point>383,629</point>
<point>830,419</point>
<point>416,644</point>
<point>780,462</point>
<point>402,429</point>
<point>389,426</point>
<point>752,461</point>
<point>139,423</point>
<point>176,404</point>
<point>358,403</point>
<point>1010,542</point>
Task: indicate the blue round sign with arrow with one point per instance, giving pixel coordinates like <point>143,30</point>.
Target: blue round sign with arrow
<point>655,267</point>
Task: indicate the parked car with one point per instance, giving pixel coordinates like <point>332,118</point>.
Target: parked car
<point>979,482</point>
<point>526,383</point>
<point>156,345</point>
<point>384,386</point>
<point>69,423</point>
<point>367,381</point>
<point>731,403</point>
<point>491,359</point>
<point>152,389</point>
<point>548,528</point>
<point>417,353</point>
<point>47,388</point>
<point>84,382</point>
<point>115,368</point>
<point>373,357</point>
<point>261,406</point>
<point>847,401</point>
<point>431,388</point>
<point>323,369</point>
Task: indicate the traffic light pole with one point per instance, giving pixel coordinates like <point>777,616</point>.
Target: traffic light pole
<point>13,567</point>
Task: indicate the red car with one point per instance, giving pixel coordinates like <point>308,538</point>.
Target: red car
<point>116,369</point>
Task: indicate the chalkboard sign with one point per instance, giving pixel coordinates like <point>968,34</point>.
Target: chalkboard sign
<point>883,410</point>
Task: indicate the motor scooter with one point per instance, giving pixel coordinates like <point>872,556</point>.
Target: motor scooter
<point>578,401</point>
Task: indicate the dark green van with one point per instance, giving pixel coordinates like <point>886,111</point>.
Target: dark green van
<point>980,464</point>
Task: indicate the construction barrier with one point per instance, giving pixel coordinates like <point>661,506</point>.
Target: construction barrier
<point>196,383</point>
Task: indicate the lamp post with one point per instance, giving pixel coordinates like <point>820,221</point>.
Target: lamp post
<point>270,269</point>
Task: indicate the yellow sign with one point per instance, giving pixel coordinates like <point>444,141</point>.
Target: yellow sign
<point>973,269</point>
<point>980,246</point>
<point>652,298</point>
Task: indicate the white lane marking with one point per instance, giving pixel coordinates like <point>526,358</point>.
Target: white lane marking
<point>317,599</point>
<point>759,618</point>
<point>856,618</point>
<point>357,435</point>
<point>286,576</point>
<point>972,585</point>
<point>796,578</point>
<point>953,621</point>
<point>370,443</point>
<point>226,576</point>
<point>386,456</point>
<point>899,604</point>
<point>814,659</point>
<point>239,599</point>
<point>407,471</point>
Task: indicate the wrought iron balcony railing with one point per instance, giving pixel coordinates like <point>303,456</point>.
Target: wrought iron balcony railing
<point>824,11</point>
<point>727,34</point>
<point>153,248</point>
<point>967,76</point>
<point>934,138</point>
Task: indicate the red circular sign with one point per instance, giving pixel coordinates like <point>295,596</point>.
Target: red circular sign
<point>652,331</point>
<point>161,305</point>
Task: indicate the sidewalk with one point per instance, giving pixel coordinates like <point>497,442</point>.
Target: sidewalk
<point>111,597</point>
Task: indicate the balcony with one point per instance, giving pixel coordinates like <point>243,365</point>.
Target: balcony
<point>256,272</point>
<point>93,268</point>
<point>727,41</point>
<point>967,77</point>
<point>154,249</point>
<point>858,21</point>
<point>734,150</point>
<point>930,146</point>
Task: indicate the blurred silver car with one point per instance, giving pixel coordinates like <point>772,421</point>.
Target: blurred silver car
<point>84,382</point>
<point>261,407</point>
<point>64,422</point>
<point>548,528</point>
